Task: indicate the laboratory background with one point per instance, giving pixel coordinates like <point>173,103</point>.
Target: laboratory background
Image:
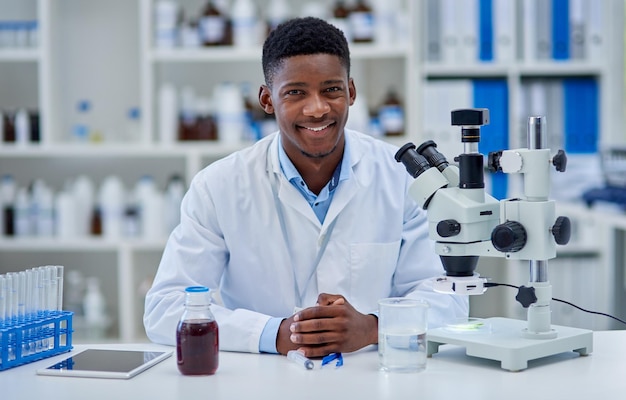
<point>109,108</point>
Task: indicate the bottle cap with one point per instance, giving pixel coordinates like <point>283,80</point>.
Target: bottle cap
<point>197,289</point>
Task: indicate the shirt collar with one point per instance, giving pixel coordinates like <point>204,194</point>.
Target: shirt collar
<point>290,171</point>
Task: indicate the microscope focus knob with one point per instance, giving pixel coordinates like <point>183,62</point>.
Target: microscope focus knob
<point>560,161</point>
<point>509,237</point>
<point>448,227</point>
<point>562,230</point>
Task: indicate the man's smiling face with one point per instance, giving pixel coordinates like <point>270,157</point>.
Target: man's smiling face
<point>310,97</point>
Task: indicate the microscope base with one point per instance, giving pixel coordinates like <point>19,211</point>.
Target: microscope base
<point>505,342</point>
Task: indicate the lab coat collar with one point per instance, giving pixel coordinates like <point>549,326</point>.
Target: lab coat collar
<point>289,196</point>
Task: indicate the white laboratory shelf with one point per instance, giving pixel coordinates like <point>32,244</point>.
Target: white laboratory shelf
<point>86,245</point>
<point>20,55</point>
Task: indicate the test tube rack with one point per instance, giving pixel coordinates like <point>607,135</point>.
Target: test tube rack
<point>23,342</point>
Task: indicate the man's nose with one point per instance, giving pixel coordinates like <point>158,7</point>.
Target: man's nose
<point>316,106</point>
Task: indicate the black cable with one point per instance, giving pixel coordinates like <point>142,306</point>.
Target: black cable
<point>492,284</point>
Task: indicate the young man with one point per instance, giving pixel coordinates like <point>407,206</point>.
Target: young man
<point>303,232</point>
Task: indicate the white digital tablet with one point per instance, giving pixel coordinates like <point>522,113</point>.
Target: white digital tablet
<point>115,364</point>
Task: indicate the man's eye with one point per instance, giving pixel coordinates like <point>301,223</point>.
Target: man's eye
<point>334,89</point>
<point>294,92</point>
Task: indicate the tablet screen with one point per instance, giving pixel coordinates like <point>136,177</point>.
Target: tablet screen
<point>106,363</point>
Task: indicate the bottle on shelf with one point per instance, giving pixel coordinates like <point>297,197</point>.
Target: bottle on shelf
<point>81,130</point>
<point>213,25</point>
<point>254,114</point>
<point>205,125</point>
<point>245,24</point>
<point>83,192</point>
<point>166,19</point>
<point>96,221</point>
<point>386,19</point>
<point>35,134</point>
<point>362,25</point>
<point>187,119</point>
<point>8,126</point>
<point>190,34</point>
<point>197,338</point>
<point>21,218</point>
<point>8,190</point>
<point>132,130</point>
<point>391,115</point>
<point>111,200</point>
<point>278,11</point>
<point>22,127</point>
<point>65,215</point>
<point>1,127</point>
<point>341,15</point>
<point>168,113</point>
<point>174,193</point>
<point>132,220</point>
<point>95,310</point>
<point>74,292</point>
<point>230,113</point>
<point>42,213</point>
<point>150,206</point>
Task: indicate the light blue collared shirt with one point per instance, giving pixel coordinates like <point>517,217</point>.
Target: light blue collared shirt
<point>319,203</point>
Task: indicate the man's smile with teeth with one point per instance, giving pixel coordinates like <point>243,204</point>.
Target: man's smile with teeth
<point>321,128</point>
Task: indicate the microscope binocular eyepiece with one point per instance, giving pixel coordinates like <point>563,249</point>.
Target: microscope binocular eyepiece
<point>415,163</point>
<point>417,160</point>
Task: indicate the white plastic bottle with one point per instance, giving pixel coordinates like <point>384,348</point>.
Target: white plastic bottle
<point>230,113</point>
<point>66,224</point>
<point>22,127</point>
<point>83,193</point>
<point>150,202</point>
<point>42,205</point>
<point>95,309</point>
<point>385,16</point>
<point>245,23</point>
<point>112,201</point>
<point>22,213</point>
<point>278,11</point>
<point>165,23</point>
<point>168,113</point>
<point>173,197</point>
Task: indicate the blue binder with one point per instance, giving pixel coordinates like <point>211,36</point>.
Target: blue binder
<point>494,95</point>
<point>485,26</point>
<point>581,113</point>
<point>560,30</point>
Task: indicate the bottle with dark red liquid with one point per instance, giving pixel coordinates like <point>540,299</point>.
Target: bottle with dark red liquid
<point>197,339</point>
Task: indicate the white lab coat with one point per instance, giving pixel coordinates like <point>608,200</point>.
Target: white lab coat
<point>246,231</point>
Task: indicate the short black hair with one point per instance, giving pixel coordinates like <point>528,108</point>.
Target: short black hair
<point>303,36</point>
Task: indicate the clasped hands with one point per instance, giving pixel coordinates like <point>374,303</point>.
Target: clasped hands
<point>331,326</point>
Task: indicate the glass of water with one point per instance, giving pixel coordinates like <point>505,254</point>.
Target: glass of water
<point>402,325</point>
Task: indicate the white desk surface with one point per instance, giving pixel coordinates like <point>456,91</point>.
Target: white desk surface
<point>450,374</point>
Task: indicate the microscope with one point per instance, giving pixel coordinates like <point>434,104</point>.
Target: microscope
<point>466,223</point>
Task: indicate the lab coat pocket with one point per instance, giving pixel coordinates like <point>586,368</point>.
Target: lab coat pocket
<point>372,266</point>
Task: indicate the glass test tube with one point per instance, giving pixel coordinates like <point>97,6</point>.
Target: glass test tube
<point>30,311</point>
<point>3,300</point>
<point>9,291</point>
<point>59,278</point>
<point>21,296</point>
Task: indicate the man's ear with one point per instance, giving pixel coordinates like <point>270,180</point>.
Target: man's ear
<point>265,99</point>
<point>351,91</point>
